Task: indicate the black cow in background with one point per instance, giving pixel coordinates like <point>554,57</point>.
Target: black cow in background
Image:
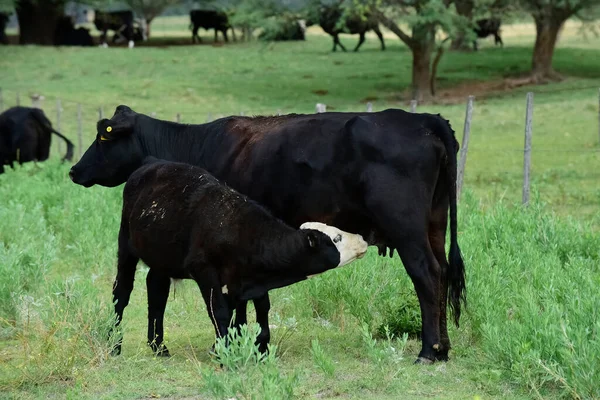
<point>66,34</point>
<point>3,22</point>
<point>25,135</point>
<point>122,23</point>
<point>209,19</point>
<point>486,27</point>
<point>329,17</point>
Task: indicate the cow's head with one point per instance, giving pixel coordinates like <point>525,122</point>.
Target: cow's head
<point>115,153</point>
<point>337,245</point>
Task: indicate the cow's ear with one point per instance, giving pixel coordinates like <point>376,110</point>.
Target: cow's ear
<point>121,123</point>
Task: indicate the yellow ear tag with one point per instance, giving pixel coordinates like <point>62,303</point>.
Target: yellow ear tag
<point>109,129</point>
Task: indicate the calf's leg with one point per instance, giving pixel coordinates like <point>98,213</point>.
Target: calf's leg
<point>262,306</point>
<point>217,305</point>
<point>158,292</point>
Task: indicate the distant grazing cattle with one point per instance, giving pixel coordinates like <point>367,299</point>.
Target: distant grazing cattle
<point>329,17</point>
<point>121,22</point>
<point>65,34</point>
<point>209,19</point>
<point>486,27</point>
<point>389,176</point>
<point>185,224</point>
<point>25,135</point>
<point>3,22</point>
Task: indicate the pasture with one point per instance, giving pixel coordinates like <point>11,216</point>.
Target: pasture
<point>531,329</point>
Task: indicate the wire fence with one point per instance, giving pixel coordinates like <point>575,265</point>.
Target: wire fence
<point>72,115</point>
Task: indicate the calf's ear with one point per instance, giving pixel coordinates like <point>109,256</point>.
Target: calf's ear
<point>312,239</point>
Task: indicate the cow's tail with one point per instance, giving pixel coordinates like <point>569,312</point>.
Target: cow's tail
<point>70,147</point>
<point>44,121</point>
<point>456,269</point>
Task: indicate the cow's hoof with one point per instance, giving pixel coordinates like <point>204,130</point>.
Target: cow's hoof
<point>441,357</point>
<point>423,361</point>
<point>162,352</point>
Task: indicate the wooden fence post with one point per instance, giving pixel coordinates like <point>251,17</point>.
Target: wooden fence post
<point>413,106</point>
<point>241,113</point>
<point>369,107</point>
<point>100,113</point>
<point>58,115</point>
<point>153,114</point>
<point>464,147</point>
<point>36,100</point>
<point>178,118</point>
<point>79,130</point>
<point>278,111</point>
<point>527,149</point>
<point>208,117</point>
<point>321,108</point>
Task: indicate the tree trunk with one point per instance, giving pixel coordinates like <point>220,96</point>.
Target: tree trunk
<point>421,75</point>
<point>464,8</point>
<point>546,36</point>
<point>38,20</point>
<point>148,22</point>
<point>423,43</point>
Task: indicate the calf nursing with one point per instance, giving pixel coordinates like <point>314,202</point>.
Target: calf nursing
<point>184,224</point>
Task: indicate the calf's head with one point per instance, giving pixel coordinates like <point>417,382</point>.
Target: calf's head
<point>339,247</point>
<point>115,153</point>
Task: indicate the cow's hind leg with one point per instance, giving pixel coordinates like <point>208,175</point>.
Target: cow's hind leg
<point>404,221</point>
<point>498,39</point>
<point>380,36</point>
<point>361,40</point>
<point>158,292</point>
<point>123,284</point>
<point>437,239</point>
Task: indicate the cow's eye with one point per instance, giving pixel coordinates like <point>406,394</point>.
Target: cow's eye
<point>337,239</point>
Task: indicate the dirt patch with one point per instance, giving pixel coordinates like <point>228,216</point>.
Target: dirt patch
<point>369,98</point>
<point>320,92</point>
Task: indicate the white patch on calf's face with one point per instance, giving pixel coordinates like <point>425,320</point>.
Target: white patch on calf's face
<point>350,246</point>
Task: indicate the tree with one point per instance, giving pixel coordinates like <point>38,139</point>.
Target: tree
<point>549,17</point>
<point>38,18</point>
<point>425,18</point>
<point>149,9</point>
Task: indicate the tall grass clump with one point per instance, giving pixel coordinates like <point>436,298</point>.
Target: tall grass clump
<point>246,372</point>
<point>533,284</point>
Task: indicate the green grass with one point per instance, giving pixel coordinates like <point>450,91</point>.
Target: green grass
<point>531,329</point>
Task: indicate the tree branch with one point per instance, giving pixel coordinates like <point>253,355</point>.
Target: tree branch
<point>392,26</point>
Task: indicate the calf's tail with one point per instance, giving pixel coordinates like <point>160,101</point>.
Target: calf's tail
<point>456,271</point>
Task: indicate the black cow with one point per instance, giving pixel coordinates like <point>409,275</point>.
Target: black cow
<point>25,135</point>
<point>329,17</point>
<point>185,224</point>
<point>486,27</point>
<point>389,176</point>
<point>65,34</point>
<point>209,19</point>
<point>3,22</point>
<point>121,22</point>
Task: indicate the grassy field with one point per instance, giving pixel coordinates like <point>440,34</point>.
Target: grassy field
<point>531,330</point>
